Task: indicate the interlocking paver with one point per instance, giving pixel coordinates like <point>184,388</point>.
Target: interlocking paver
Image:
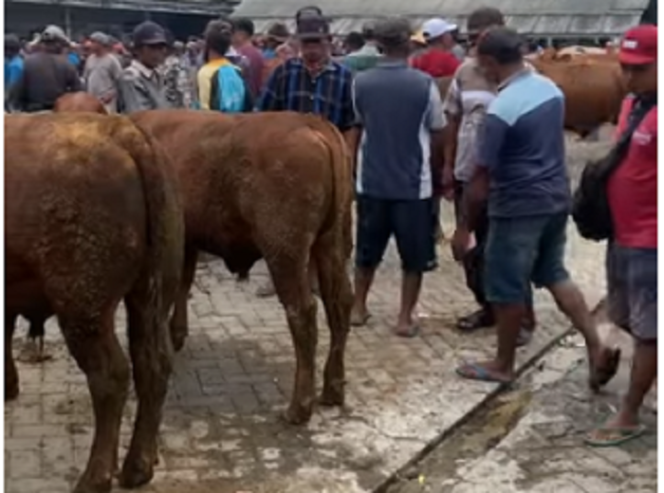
<point>221,431</point>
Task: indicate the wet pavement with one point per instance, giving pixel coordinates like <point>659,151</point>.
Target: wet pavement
<point>221,431</point>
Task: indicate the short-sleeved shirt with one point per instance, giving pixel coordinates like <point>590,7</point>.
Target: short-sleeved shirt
<point>437,63</point>
<point>398,107</point>
<point>101,76</point>
<point>632,190</point>
<point>522,145</point>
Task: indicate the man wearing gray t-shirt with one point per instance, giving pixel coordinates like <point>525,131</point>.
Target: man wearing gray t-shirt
<point>102,72</point>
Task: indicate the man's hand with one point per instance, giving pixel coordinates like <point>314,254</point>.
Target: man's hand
<point>448,183</point>
<point>107,98</point>
<point>460,242</point>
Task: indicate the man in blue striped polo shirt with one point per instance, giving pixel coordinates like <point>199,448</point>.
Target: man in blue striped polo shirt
<point>521,170</point>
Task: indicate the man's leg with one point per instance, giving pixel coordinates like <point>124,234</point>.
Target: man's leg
<point>550,272</point>
<point>373,234</point>
<point>510,253</point>
<point>414,225</point>
<point>632,280</point>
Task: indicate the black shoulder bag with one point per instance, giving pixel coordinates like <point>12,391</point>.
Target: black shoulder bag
<point>590,203</point>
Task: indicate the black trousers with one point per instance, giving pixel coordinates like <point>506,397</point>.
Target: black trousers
<point>473,262</point>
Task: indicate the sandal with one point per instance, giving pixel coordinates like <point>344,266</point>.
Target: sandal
<point>614,435</point>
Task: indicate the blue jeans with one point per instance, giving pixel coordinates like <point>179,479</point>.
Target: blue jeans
<point>521,250</point>
<point>632,284</point>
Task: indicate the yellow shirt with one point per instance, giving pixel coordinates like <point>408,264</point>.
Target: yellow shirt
<point>204,80</point>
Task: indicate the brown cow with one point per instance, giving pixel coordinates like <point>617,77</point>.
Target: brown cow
<point>594,90</point>
<point>74,102</point>
<point>277,186</point>
<point>92,218</point>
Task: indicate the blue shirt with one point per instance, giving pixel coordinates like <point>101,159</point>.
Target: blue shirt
<point>522,145</point>
<point>13,71</point>
<point>292,88</point>
<point>74,59</point>
<point>397,107</point>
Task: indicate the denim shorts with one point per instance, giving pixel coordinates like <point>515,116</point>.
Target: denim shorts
<point>521,250</point>
<point>413,224</point>
<point>632,285</point>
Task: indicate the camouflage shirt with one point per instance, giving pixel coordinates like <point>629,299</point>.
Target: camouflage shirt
<point>177,82</point>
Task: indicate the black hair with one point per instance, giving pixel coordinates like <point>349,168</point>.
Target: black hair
<point>484,18</point>
<point>502,44</point>
<point>354,40</point>
<point>244,25</point>
<point>218,34</point>
<point>393,35</point>
<point>12,45</point>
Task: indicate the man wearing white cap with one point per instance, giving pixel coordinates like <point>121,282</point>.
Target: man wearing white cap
<point>438,61</point>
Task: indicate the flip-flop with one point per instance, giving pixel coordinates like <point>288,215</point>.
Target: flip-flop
<point>479,374</point>
<point>599,377</point>
<point>413,331</point>
<point>359,322</point>
<point>624,435</point>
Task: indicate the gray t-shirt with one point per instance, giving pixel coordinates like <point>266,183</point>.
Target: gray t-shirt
<point>101,77</point>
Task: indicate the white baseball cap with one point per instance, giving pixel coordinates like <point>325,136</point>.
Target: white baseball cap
<point>436,27</point>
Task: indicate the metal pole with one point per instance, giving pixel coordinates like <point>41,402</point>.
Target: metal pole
<point>68,21</point>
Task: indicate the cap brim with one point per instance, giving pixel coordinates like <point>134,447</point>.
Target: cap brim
<point>635,59</point>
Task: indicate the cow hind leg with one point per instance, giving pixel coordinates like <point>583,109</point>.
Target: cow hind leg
<point>151,359</point>
<point>335,291</point>
<point>94,346</point>
<point>11,374</point>
<point>179,322</point>
<point>291,282</point>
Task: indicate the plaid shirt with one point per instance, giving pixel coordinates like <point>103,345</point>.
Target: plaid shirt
<point>292,88</point>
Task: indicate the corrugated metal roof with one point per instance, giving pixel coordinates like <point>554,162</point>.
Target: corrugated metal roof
<point>537,17</point>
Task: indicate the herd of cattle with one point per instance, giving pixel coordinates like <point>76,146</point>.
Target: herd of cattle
<point>103,209</point>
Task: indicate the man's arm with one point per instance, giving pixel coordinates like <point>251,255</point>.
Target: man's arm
<point>492,138</point>
<point>130,95</point>
<point>272,97</point>
<point>436,123</point>
<point>453,110</point>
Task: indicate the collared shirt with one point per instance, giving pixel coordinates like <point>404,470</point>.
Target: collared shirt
<point>398,107</point>
<point>632,189</point>
<point>522,145</point>
<point>292,88</point>
<point>363,59</point>
<point>141,88</point>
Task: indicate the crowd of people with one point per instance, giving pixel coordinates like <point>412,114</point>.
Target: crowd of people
<point>493,144</point>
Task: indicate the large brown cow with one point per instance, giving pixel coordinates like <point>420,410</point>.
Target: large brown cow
<point>83,102</point>
<point>277,186</point>
<point>594,90</point>
<point>92,218</point>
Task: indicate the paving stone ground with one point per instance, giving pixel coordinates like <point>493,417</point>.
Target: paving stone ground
<point>221,431</point>
<point>531,440</point>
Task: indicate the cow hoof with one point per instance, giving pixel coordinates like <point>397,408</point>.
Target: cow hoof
<point>136,473</point>
<point>331,397</point>
<point>297,415</point>
<point>11,391</point>
<point>86,486</point>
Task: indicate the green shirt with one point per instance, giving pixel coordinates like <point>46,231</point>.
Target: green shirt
<point>365,58</point>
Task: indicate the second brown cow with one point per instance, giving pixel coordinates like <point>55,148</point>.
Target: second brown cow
<point>275,186</point>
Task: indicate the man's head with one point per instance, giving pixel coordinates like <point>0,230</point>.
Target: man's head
<point>100,43</point>
<point>369,31</point>
<point>638,59</point>
<point>313,33</point>
<point>243,31</point>
<point>499,52</point>
<point>150,44</point>
<point>393,37</point>
<point>439,32</point>
<point>277,35</point>
<point>178,48</point>
<point>482,19</point>
<point>53,39</point>
<point>218,37</point>
<point>353,42</point>
<point>12,46</point>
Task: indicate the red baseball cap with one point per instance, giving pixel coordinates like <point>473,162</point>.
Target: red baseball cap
<point>639,46</point>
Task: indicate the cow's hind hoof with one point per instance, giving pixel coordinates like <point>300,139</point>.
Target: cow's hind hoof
<point>136,473</point>
<point>297,415</point>
<point>86,486</point>
<point>331,397</point>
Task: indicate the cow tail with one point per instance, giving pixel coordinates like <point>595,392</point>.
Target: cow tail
<point>165,228</point>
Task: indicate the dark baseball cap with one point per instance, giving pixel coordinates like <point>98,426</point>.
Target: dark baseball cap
<point>312,28</point>
<point>149,33</point>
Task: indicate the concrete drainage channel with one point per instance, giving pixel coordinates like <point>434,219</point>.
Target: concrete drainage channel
<point>477,432</point>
